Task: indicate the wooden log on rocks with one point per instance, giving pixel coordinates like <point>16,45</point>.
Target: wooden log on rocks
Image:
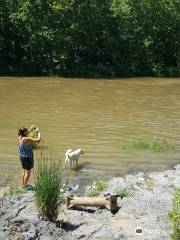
<point>109,202</point>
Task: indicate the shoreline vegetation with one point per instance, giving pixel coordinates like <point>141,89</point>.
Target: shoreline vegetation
<point>48,186</point>
<point>174,215</point>
<point>152,145</point>
<point>149,205</point>
<point>86,75</point>
<point>90,38</point>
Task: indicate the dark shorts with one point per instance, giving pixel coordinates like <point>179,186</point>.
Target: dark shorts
<point>27,163</point>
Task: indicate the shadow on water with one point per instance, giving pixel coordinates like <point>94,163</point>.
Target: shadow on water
<point>77,168</point>
<point>83,166</point>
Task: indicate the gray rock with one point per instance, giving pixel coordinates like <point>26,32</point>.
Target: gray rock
<point>176,182</point>
<point>177,167</point>
<point>145,208</point>
<point>169,174</point>
<point>115,185</point>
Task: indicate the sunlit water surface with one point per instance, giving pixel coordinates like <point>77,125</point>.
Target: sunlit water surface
<point>95,115</point>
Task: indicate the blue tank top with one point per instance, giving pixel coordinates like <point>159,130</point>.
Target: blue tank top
<point>26,150</point>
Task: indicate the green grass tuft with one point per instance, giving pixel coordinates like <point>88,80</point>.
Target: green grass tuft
<point>174,215</point>
<point>97,187</point>
<point>156,145</point>
<point>48,187</point>
<point>123,193</point>
<point>14,190</point>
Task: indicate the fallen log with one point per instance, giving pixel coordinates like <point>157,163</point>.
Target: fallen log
<point>109,202</point>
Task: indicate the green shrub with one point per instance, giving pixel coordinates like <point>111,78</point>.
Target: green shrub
<point>48,190</point>
<point>174,215</point>
<point>98,186</point>
<point>157,145</point>
<point>122,193</point>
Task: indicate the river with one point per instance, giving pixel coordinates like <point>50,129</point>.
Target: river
<point>97,115</point>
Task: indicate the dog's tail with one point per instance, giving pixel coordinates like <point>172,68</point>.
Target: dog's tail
<point>68,151</point>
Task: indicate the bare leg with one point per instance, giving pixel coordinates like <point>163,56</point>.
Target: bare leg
<point>27,176</point>
<point>70,163</point>
<point>22,177</point>
<point>66,161</point>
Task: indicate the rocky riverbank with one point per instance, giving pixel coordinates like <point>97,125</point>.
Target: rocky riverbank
<point>142,213</point>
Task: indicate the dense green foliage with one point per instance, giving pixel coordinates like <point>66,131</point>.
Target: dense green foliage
<point>48,188</point>
<point>90,37</point>
<point>154,145</point>
<point>174,215</point>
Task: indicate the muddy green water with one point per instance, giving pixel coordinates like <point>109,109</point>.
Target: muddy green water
<point>96,115</point>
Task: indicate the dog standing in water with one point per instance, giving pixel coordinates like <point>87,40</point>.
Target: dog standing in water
<point>72,157</point>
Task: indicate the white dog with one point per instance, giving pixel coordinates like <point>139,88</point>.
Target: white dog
<point>72,157</point>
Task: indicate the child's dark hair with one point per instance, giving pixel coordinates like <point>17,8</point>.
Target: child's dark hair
<point>22,131</point>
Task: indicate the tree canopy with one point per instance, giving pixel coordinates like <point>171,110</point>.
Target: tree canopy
<point>90,37</point>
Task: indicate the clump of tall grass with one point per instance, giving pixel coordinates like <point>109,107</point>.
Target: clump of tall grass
<point>97,187</point>
<point>174,215</point>
<point>156,145</point>
<point>48,187</point>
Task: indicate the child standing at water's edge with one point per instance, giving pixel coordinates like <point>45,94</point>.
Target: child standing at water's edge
<point>26,151</point>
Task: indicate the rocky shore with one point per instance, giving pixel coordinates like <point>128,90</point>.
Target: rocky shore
<point>142,214</point>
